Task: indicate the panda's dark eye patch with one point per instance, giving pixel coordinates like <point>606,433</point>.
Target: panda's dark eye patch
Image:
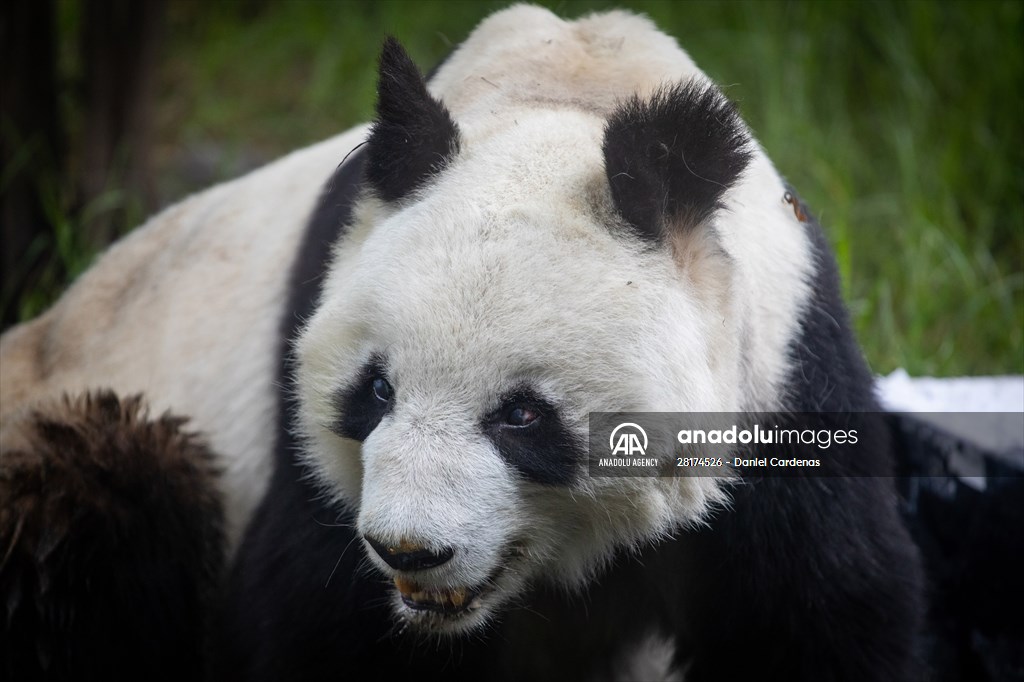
<point>364,401</point>
<point>531,436</point>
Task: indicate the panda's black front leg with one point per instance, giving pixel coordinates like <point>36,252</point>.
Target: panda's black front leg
<point>294,596</point>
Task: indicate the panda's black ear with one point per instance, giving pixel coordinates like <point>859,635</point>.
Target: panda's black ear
<point>414,136</point>
<point>671,157</point>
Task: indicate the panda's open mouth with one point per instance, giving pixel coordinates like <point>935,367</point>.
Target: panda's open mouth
<point>449,602</point>
<point>454,602</point>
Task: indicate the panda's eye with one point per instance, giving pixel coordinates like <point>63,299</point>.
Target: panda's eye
<point>521,415</point>
<point>381,389</point>
<point>363,403</point>
<point>531,436</point>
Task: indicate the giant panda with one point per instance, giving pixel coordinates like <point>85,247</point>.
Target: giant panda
<point>392,342</point>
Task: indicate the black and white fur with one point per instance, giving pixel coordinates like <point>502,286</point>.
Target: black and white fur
<point>568,218</point>
<point>568,251</point>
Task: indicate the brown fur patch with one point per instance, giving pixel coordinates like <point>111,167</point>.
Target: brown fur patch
<point>110,542</point>
<point>710,271</point>
<point>705,263</point>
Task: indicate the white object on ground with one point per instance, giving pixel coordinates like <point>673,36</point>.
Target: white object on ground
<point>987,412</point>
<point>902,393</point>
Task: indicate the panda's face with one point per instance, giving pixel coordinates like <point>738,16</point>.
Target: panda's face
<point>460,345</point>
<point>465,332</point>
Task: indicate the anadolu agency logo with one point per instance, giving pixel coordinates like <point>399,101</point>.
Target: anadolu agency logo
<point>628,443</point>
<point>628,446</point>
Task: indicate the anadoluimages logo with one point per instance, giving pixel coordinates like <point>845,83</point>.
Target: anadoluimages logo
<point>628,440</point>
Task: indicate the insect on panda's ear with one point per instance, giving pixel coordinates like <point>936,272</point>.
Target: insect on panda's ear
<point>670,158</point>
<point>414,136</point>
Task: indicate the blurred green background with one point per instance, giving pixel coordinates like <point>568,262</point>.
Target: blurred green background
<point>900,123</point>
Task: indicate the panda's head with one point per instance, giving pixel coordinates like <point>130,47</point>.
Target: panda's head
<point>504,276</point>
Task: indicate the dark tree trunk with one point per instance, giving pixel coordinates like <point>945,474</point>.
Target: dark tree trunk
<point>31,141</point>
<point>119,47</point>
<point>45,175</point>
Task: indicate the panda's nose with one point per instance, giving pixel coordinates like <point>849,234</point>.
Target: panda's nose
<point>408,556</point>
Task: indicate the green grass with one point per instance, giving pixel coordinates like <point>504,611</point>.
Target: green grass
<point>899,123</point>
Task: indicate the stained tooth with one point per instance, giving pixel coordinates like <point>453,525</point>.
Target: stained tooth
<point>456,598</point>
<point>406,587</point>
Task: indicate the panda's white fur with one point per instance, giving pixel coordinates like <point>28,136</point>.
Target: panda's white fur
<point>512,265</point>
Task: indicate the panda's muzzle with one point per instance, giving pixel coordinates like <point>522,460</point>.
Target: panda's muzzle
<point>408,557</point>
<point>428,599</point>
